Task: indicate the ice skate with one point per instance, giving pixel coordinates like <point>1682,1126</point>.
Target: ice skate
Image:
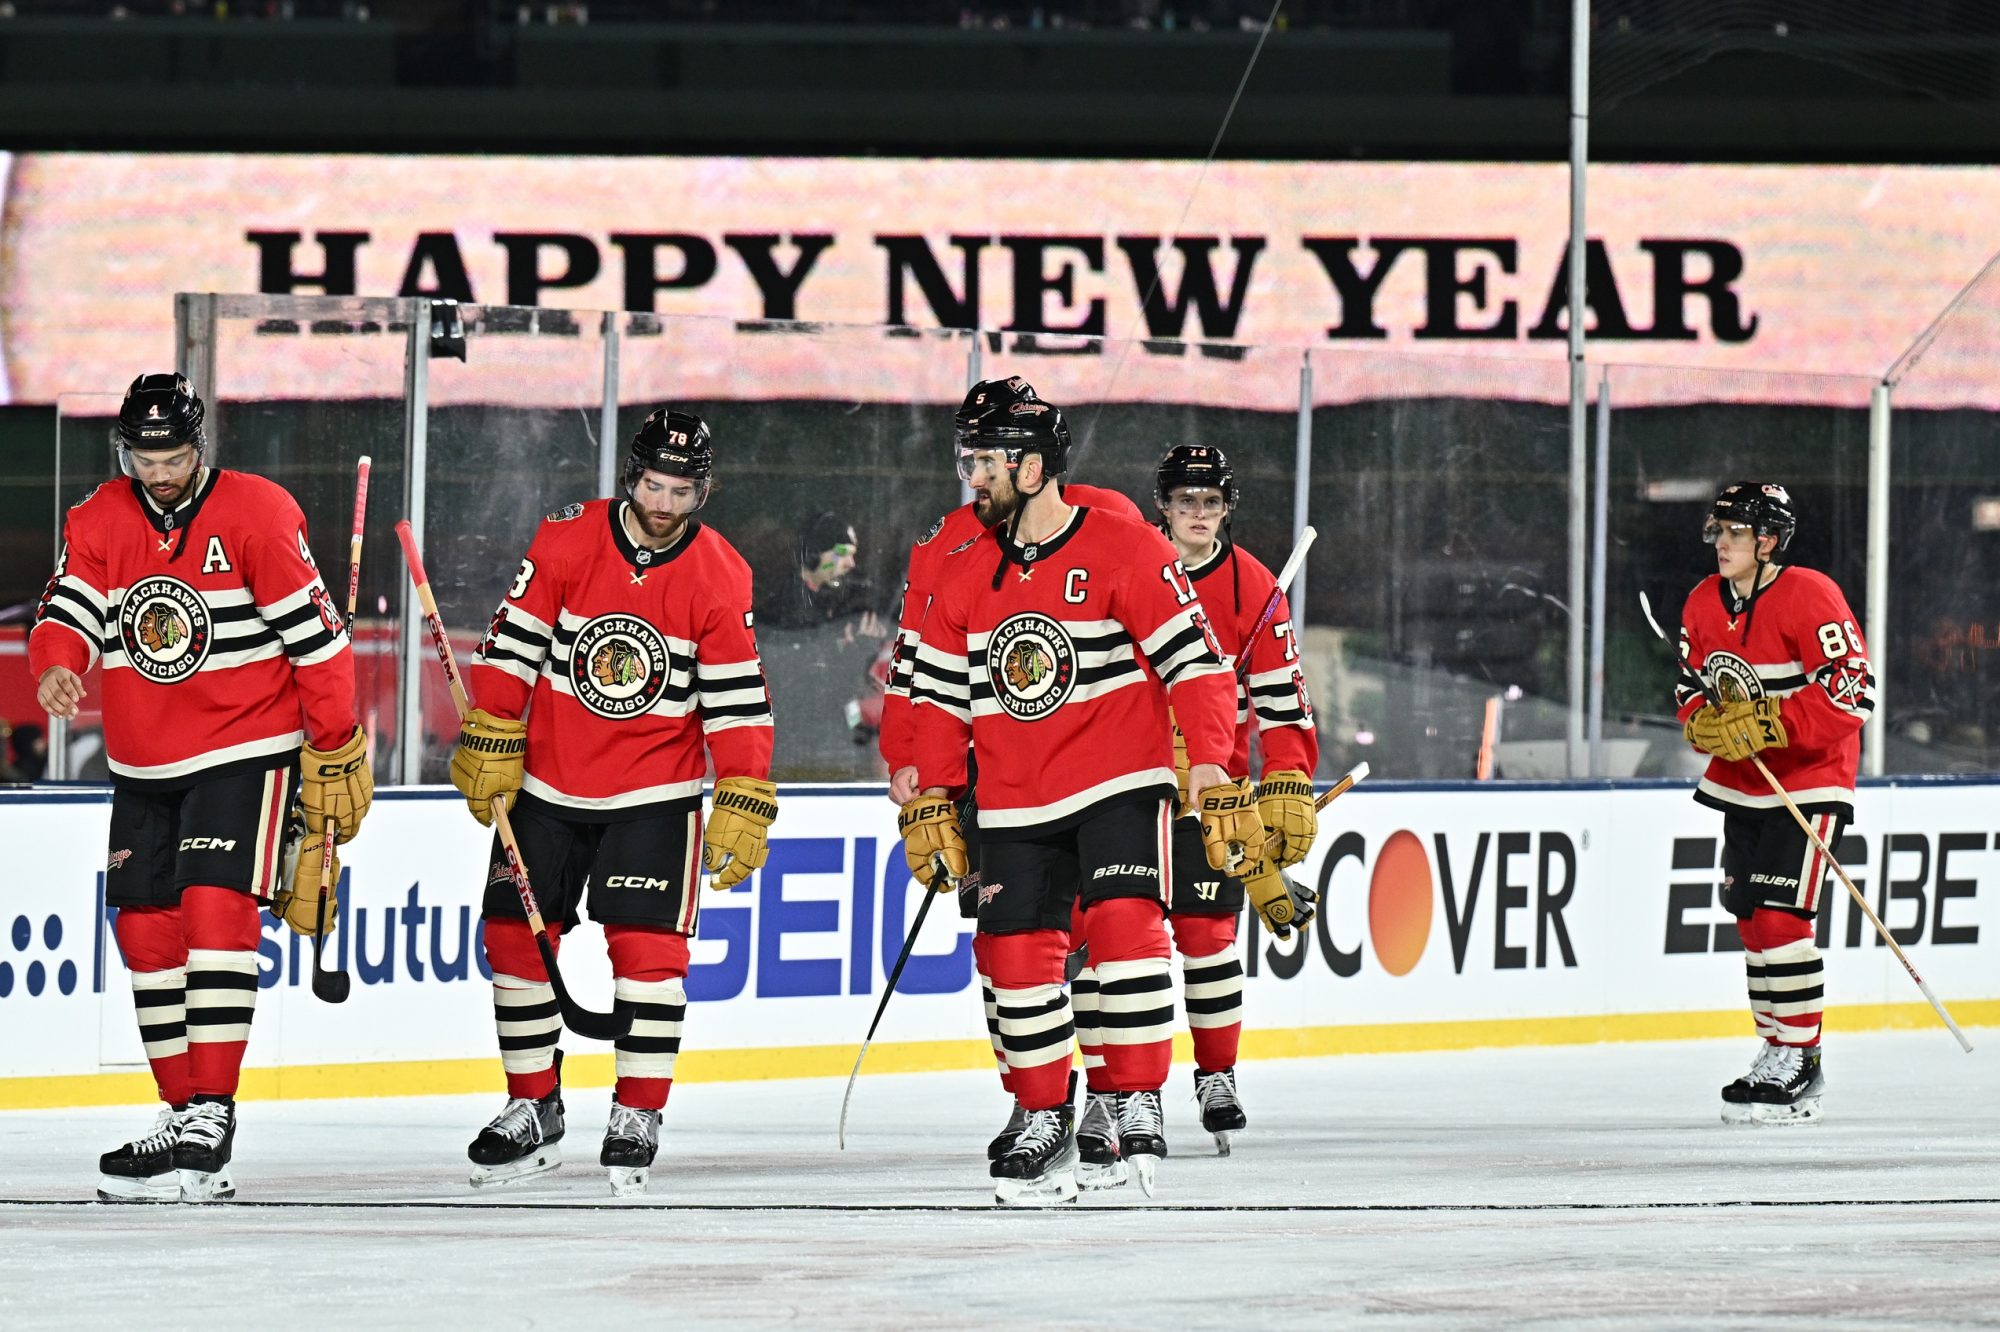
<point>1040,1168</point>
<point>1098,1164</point>
<point>143,1169</point>
<point>201,1155</point>
<point>1736,1096</point>
<point>520,1143</point>
<point>1142,1137</point>
<point>1789,1091</point>
<point>631,1141</point>
<point>1016,1121</point>
<point>1221,1113</point>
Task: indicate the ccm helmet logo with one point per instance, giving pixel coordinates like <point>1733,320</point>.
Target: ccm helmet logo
<point>638,881</point>
<point>208,843</point>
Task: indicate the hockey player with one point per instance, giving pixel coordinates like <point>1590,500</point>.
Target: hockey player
<point>950,536</point>
<point>1780,648</point>
<point>228,698</point>
<point>624,648</point>
<point>1053,646</point>
<point>1195,492</point>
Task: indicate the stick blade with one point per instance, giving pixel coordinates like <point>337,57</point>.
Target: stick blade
<point>332,987</point>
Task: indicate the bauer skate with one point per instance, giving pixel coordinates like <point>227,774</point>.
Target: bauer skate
<point>1736,1096</point>
<point>1004,1139</point>
<point>1142,1139</point>
<point>520,1143</point>
<point>1790,1089</point>
<point>207,1140</point>
<point>1039,1170</point>
<point>1098,1164</point>
<point>143,1169</point>
<point>1221,1113</point>
<point>631,1141</point>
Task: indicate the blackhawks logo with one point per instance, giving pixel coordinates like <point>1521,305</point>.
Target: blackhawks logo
<point>1734,677</point>
<point>164,627</point>
<point>1032,666</point>
<point>618,666</point>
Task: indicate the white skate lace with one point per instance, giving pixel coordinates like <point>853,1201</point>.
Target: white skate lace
<point>206,1124</point>
<point>1781,1067</point>
<point>517,1121</point>
<point>1098,1119</point>
<point>1765,1054</point>
<point>1217,1089</point>
<point>637,1125</point>
<point>166,1132</point>
<point>1139,1112</point>
<point>1043,1129</point>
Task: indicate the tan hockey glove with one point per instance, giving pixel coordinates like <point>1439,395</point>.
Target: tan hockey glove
<point>1280,902</point>
<point>932,843</point>
<point>739,817</point>
<point>1231,831</point>
<point>297,900</point>
<point>1738,729</point>
<point>1181,770</point>
<point>1285,804</point>
<point>488,761</point>
<point>336,784</point>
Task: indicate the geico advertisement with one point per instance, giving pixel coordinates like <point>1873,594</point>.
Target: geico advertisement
<point>1828,270</point>
<point>1437,905</point>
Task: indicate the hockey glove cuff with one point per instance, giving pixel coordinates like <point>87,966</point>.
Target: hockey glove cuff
<point>1285,804</point>
<point>1231,831</point>
<point>489,760</point>
<point>297,902</point>
<point>1282,903</point>
<point>932,843</point>
<point>336,784</point>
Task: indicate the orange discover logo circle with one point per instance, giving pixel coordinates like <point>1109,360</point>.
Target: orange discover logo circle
<point>1399,903</point>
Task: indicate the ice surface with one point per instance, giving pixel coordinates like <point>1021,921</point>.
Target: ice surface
<point>1572,1187</point>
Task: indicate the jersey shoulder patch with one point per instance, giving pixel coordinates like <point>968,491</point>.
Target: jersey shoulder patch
<point>936,527</point>
<point>566,512</point>
<point>966,544</point>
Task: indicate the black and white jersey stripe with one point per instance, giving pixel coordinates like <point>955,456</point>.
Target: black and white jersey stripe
<point>675,700</point>
<point>301,620</point>
<point>77,606</point>
<point>1181,650</point>
<point>1105,662</point>
<point>732,693</point>
<point>240,634</point>
<point>1279,699</point>
<point>518,644</point>
<point>943,679</point>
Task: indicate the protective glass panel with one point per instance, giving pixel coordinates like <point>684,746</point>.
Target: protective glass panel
<point>85,457</point>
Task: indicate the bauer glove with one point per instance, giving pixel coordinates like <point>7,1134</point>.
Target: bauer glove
<point>1738,728</point>
<point>739,815</point>
<point>1282,903</point>
<point>488,761</point>
<point>1231,831</point>
<point>1285,804</point>
<point>336,784</point>
<point>297,901</point>
<point>932,843</point>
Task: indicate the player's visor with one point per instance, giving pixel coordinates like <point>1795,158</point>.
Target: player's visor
<point>1715,529</point>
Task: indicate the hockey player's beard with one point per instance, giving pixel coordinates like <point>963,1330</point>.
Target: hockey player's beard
<point>167,495</point>
<point>663,527</point>
<point>991,510</point>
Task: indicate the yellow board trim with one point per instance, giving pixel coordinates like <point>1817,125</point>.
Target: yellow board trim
<point>450,1077</point>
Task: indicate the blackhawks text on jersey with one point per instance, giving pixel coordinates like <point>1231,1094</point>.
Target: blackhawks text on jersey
<point>1799,644</point>
<point>625,661</point>
<point>222,649</point>
<point>1052,665</point>
<point>1234,585</point>
<point>951,535</point>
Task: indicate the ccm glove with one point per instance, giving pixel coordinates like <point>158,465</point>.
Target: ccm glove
<point>336,784</point>
<point>1285,804</point>
<point>932,843</point>
<point>488,761</point>
<point>1280,902</point>
<point>297,902</point>
<point>739,818</point>
<point>1738,729</point>
<point>1231,830</point>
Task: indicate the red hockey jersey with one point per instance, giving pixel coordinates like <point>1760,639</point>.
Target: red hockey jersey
<point>222,649</point>
<point>1799,644</point>
<point>1234,585</point>
<point>949,536</point>
<point>1058,665</point>
<point>626,661</point>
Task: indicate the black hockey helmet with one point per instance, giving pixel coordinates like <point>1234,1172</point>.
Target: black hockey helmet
<point>1007,414</point>
<point>160,412</point>
<point>1765,508</point>
<point>1194,465</point>
<point>673,442</point>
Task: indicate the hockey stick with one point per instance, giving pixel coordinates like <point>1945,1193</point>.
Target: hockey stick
<point>1355,776</point>
<point>1285,577</point>
<point>896,974</point>
<point>332,987</point>
<point>1714,699</point>
<point>584,1022</point>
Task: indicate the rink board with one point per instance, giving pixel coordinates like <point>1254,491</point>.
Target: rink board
<point>1455,916</point>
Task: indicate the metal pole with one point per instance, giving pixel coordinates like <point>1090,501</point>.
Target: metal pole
<point>1302,458</point>
<point>1579,156</point>
<point>194,356</point>
<point>607,421</point>
<point>416,425</point>
<point>1876,732</point>
<point>1600,540</point>
<point>974,365</point>
<point>58,766</point>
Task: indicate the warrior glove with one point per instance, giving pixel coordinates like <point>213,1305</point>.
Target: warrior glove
<point>1231,831</point>
<point>1737,729</point>
<point>336,784</point>
<point>1280,902</point>
<point>932,843</point>
<point>1285,804</point>
<point>297,902</point>
<point>488,761</point>
<point>739,817</point>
